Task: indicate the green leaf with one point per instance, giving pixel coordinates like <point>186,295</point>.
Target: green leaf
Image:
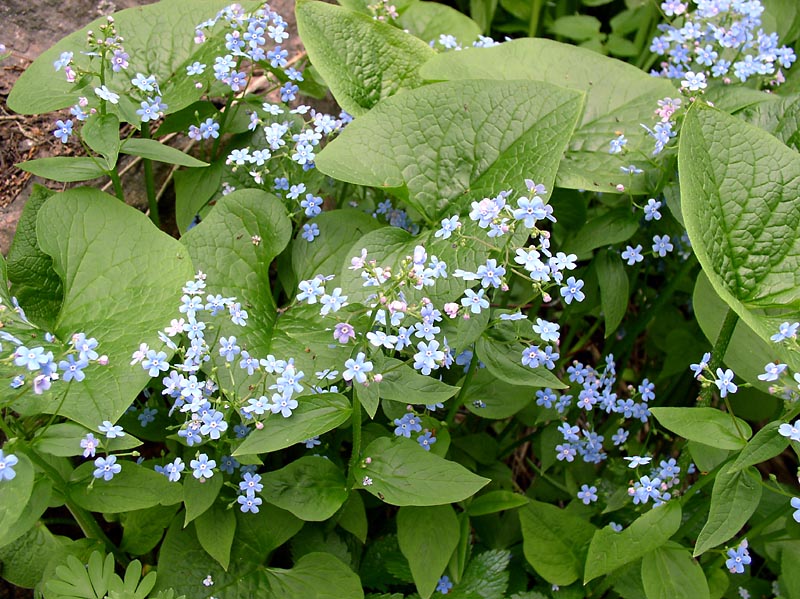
<point>112,261</point>
<point>705,425</point>
<point>780,116</point>
<point>441,146</point>
<point>15,493</point>
<point>738,191</point>
<point>610,228</point>
<point>613,289</point>
<point>143,529</point>
<point>34,282</point>
<point>155,150</point>
<point>404,384</point>
<point>66,169</point>
<point>429,20</point>
<point>134,488</point>
<point>215,531</point>
<point>403,473</point>
<point>427,536</point>
<point>496,501</point>
<point>199,496</point>
<point>554,542</point>
<point>482,12</point>
<point>362,60</point>
<point>669,572</point>
<point>353,517</point>
<point>317,576</point>
<point>338,229</point>
<point>312,488</point>
<point>159,39</point>
<point>504,361</point>
<point>499,398</point>
<point>193,190</point>
<point>610,549</point>
<point>619,98</point>
<point>734,498</point>
<point>486,577</point>
<point>36,505</point>
<point>64,440</point>
<point>101,134</point>
<point>576,27</point>
<point>24,560</point>
<point>790,569</point>
<point>765,445</point>
<point>369,397</point>
<point>315,414</point>
<point>222,247</point>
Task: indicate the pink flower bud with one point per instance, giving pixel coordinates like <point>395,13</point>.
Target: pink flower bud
<point>620,187</point>
<point>378,378</point>
<point>103,360</point>
<point>451,309</point>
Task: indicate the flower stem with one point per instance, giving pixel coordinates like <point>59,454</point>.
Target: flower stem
<point>149,181</point>
<point>718,353</point>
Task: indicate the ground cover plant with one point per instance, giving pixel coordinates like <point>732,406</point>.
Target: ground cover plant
<point>517,319</point>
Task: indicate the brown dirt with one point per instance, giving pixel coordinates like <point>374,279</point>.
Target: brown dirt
<point>27,29</point>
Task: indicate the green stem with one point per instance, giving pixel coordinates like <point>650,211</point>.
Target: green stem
<point>355,453</point>
<point>118,191</point>
<point>718,353</point>
<point>536,10</point>
<point>149,181</point>
<point>83,517</point>
<point>459,399</point>
<point>222,121</point>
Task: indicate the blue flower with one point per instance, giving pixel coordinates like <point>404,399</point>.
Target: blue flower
<point>786,331</point>
<point>155,362</point>
<point>357,369</point>
<point>548,331</point>
<point>228,348</point>
<point>724,382</point>
<point>474,301</point>
<point>428,357</point>
<point>565,451</point>
<point>772,371</point>
<point>651,210</point>
<point>444,585</point>
<point>106,468</point>
<point>616,144</point>
<point>790,431</point>
<point>662,245</point>
<point>147,416</point>
<point>637,461</point>
<point>698,368</point>
<point>572,290</point>
<point>587,494</point>
<point>73,369</point>
<point>111,431</point>
<point>425,440</point>
<point>7,463</point>
<point>250,483</point>
<point>449,225</point>
<point>202,467</point>
<point>795,503</point>
<point>63,130</point>
<point>738,558</point>
<point>310,231</point>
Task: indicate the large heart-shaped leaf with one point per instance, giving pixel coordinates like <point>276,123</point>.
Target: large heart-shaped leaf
<point>439,146</point>
<point>739,187</point>
<point>226,247</point>
<point>312,488</point>
<point>122,280</point>
<point>362,60</point>
<point>620,97</point>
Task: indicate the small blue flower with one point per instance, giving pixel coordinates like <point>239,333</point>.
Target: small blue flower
<point>786,331</point>
<point>63,130</point>
<point>106,468</point>
<point>616,144</point>
<point>662,245</point>
<point>310,231</point>
<point>795,503</point>
<point>698,368</point>
<point>572,290</point>
<point>651,210</point>
<point>772,371</point>
<point>738,558</point>
<point>155,362</point>
<point>449,226</point>
<point>147,416</point>
<point>7,463</point>
<point>724,382</point>
<point>474,301</point>
<point>444,585</point>
<point>357,368</point>
<point>637,461</point>
<point>425,440</point>
<point>202,467</point>
<point>249,503</point>
<point>587,494</point>
<point>110,430</point>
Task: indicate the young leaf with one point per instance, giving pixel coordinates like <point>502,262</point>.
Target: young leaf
<point>193,189</point>
<point>112,261</point>
<point>486,576</point>
<point>66,169</point>
<point>315,414</point>
<point>610,549</point>
<point>362,60</point>
<point>215,531</point>
<point>134,488</point>
<point>15,493</point>
<point>738,191</point>
<point>427,536</point>
<point>402,473</point>
<point>669,572</point>
<point>496,501</point>
<point>429,20</point>
<point>369,397</point>
<point>488,396</point>
<point>554,542</point>
<point>504,361</point>
<point>198,497</point>
<point>314,575</point>
<point>613,289</point>
<point>705,425</point>
<point>734,498</point>
<point>353,517</point>
<point>155,150</point>
<point>404,384</point>
<point>35,283</point>
<point>312,488</point>
<point>36,505</point>
<point>619,98</point>
<point>765,445</point>
<point>101,134</point>
<point>434,147</point>
<point>614,226</point>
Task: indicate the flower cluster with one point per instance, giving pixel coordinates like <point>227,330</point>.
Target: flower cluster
<point>719,39</point>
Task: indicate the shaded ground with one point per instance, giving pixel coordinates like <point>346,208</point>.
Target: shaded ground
<point>28,28</point>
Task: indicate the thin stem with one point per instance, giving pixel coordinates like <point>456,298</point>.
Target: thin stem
<point>536,10</point>
<point>718,353</point>
<point>118,191</point>
<point>355,453</point>
<point>149,181</point>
